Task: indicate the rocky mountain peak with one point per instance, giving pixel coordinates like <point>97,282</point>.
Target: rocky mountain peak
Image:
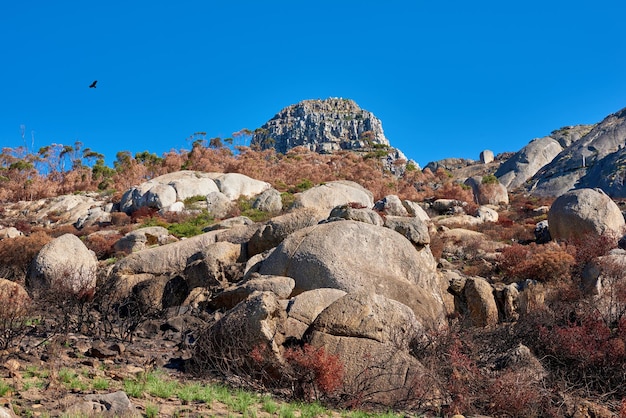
<point>323,126</point>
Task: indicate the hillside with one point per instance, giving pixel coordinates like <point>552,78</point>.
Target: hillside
<point>311,276</point>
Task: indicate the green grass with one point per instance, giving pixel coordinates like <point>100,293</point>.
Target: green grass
<point>5,388</point>
<point>157,384</point>
<point>100,383</point>
<point>152,410</point>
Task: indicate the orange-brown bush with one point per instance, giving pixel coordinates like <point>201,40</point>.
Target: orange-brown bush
<point>549,262</point>
<point>17,254</point>
<point>102,244</point>
<point>313,371</point>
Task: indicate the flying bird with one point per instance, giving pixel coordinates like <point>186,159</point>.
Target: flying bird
<point>93,85</point>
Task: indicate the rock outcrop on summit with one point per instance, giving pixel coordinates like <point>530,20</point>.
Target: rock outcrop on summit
<point>322,126</point>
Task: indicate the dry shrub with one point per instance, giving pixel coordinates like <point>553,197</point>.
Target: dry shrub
<point>515,393</point>
<point>65,299</point>
<point>143,213</point>
<point>102,244</point>
<point>591,246</point>
<point>546,263</point>
<point>17,254</point>
<point>15,310</point>
<point>313,371</point>
<point>120,219</point>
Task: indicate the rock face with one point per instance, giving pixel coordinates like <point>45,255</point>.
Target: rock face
<point>63,263</point>
<point>527,161</point>
<point>596,158</point>
<point>584,211</point>
<point>322,126</point>
<point>355,256</point>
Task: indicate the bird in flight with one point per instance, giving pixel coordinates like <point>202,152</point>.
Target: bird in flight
<point>93,85</point>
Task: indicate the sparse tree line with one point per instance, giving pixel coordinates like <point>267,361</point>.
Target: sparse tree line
<point>59,169</point>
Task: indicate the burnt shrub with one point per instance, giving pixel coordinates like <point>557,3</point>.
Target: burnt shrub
<point>15,314</point>
<point>102,244</point>
<point>546,263</point>
<point>313,372</point>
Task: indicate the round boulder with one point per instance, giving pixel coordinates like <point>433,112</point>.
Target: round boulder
<point>581,212</point>
<point>64,263</point>
<point>355,256</point>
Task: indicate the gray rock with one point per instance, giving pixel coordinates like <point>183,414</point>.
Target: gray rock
<point>279,285</point>
<point>304,308</point>
<point>594,160</point>
<point>65,263</point>
<point>322,126</point>
<point>414,209</point>
<point>486,156</point>
<point>412,229</point>
<point>585,211</point>
<point>356,214</point>
<point>481,303</point>
<point>518,169</point>
<point>143,238</point>
<point>371,316</point>
<point>488,193</point>
<point>234,185</point>
<point>379,260</point>
<point>391,205</point>
<point>278,228</point>
<point>269,201</point>
<point>212,266</point>
<point>327,196</point>
<point>114,404</point>
<point>219,205</point>
<point>10,232</point>
<point>230,223</point>
<point>487,214</point>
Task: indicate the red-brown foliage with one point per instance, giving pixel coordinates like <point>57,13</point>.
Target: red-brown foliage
<point>314,370</point>
<point>102,244</point>
<point>549,262</point>
<point>17,254</point>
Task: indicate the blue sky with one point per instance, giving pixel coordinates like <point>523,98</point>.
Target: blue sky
<point>447,79</point>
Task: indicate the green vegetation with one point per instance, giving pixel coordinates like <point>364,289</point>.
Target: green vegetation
<point>489,179</point>
<point>189,202</point>
<point>245,207</point>
<point>186,227</point>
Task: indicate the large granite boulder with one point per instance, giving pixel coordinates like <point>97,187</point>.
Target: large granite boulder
<point>63,264</point>
<point>234,185</point>
<point>278,228</point>
<point>379,260</point>
<point>370,335</point>
<point>515,171</point>
<point>335,193</point>
<point>488,192</point>
<point>164,191</point>
<point>304,308</point>
<point>578,213</point>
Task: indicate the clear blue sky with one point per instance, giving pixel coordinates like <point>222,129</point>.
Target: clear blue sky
<point>447,78</point>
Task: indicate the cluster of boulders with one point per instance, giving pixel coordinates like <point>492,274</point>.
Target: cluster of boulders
<point>337,270</point>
